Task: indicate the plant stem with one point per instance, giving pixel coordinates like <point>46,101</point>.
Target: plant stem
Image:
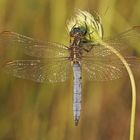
<point>133,108</point>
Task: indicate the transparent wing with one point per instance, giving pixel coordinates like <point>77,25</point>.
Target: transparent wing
<point>120,42</point>
<point>33,47</point>
<point>107,69</point>
<point>39,71</point>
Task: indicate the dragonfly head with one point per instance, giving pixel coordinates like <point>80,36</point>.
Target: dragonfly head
<point>78,32</point>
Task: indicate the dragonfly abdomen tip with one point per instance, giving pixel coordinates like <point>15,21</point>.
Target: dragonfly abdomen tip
<point>76,122</point>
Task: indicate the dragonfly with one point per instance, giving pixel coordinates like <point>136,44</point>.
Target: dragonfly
<point>55,62</point>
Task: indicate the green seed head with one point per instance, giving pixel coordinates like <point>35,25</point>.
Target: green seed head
<point>87,22</point>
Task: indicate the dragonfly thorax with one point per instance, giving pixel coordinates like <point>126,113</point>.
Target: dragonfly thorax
<point>75,54</point>
<point>76,36</point>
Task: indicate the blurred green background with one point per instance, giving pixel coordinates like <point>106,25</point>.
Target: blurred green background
<point>32,111</point>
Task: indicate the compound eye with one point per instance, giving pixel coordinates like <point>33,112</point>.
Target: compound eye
<point>83,31</point>
<point>77,31</point>
<point>74,31</point>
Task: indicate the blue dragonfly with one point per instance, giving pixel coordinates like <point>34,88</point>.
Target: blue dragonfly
<point>56,62</point>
